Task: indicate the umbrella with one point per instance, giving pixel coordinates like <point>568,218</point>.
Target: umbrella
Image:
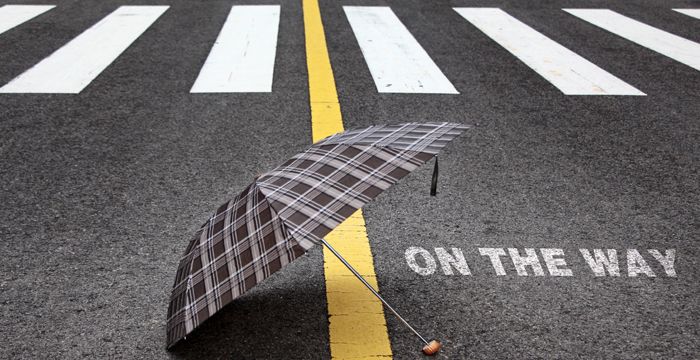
<point>286,211</point>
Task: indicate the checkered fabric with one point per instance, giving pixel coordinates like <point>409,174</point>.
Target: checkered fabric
<point>289,209</point>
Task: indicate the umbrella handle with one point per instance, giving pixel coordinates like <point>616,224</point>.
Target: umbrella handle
<point>430,348</point>
<point>433,185</point>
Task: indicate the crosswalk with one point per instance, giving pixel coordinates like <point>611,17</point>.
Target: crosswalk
<point>242,57</point>
<point>13,15</point>
<point>665,43</point>
<point>72,67</point>
<point>690,12</point>
<point>569,72</point>
<point>397,62</point>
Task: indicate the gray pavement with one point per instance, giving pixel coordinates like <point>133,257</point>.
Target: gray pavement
<point>102,190</point>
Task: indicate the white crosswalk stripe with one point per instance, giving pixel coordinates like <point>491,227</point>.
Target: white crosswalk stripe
<point>665,43</point>
<point>71,68</point>
<point>397,62</point>
<point>690,12</point>
<point>13,15</point>
<point>569,72</point>
<point>243,56</point>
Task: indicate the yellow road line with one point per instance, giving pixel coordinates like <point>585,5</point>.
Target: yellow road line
<point>356,318</point>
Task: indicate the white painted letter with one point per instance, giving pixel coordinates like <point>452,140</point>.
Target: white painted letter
<point>457,260</point>
<point>521,262</point>
<point>636,264</point>
<point>667,261</point>
<point>494,254</point>
<point>556,266</point>
<point>601,262</point>
<point>430,264</point>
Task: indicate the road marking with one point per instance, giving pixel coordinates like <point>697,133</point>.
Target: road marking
<point>357,327</point>
<point>243,56</point>
<point>71,68</point>
<point>690,12</point>
<point>563,68</point>
<point>665,43</point>
<point>602,262</point>
<point>396,60</point>
<point>13,15</point>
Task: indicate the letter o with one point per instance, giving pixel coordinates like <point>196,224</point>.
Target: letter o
<point>430,264</point>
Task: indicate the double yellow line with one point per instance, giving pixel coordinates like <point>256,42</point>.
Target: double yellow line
<point>357,327</point>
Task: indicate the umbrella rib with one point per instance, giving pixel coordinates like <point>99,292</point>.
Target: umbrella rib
<point>359,277</point>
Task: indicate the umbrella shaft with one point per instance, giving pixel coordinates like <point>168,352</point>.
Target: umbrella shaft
<point>371,289</point>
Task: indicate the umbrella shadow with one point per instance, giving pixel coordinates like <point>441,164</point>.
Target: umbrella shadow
<point>280,319</point>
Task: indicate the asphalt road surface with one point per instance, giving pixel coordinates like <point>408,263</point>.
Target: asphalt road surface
<point>102,188</point>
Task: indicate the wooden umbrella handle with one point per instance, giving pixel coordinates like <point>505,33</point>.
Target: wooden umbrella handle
<point>432,348</point>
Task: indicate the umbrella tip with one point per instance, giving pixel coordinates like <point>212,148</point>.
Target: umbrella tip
<point>432,348</point>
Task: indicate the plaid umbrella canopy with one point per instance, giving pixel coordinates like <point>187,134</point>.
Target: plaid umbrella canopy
<point>286,211</point>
